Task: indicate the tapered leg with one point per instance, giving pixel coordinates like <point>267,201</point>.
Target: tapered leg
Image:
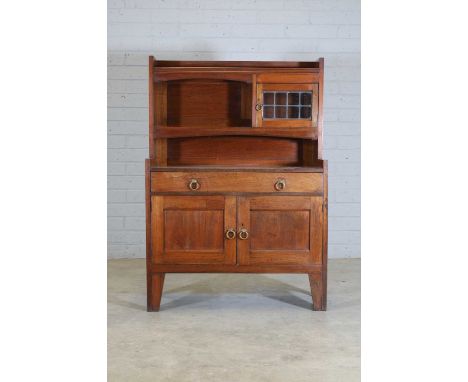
<point>155,293</point>
<point>317,291</point>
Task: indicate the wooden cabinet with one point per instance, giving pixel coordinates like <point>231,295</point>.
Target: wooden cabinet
<point>235,180</point>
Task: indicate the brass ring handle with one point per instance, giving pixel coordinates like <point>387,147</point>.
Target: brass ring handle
<point>230,233</point>
<point>280,185</point>
<point>258,106</point>
<point>243,234</point>
<point>193,184</point>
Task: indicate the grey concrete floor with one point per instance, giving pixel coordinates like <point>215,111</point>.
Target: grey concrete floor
<point>229,327</point>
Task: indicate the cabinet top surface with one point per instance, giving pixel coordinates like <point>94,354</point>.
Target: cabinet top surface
<point>241,64</point>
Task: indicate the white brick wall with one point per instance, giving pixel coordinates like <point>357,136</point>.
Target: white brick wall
<point>231,30</point>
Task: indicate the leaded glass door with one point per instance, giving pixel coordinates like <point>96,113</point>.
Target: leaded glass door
<point>287,105</point>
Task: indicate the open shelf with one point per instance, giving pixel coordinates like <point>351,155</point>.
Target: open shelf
<point>200,131</point>
<point>213,103</point>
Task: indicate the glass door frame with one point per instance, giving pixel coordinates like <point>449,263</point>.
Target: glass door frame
<point>286,122</point>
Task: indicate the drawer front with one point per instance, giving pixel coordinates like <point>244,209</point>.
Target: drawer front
<point>218,181</point>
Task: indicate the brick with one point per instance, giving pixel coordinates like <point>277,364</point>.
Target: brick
<point>127,127</point>
<point>343,251</point>
<point>342,128</point>
<point>205,30</point>
<point>349,31</point>
<point>256,31</point>
<point>126,237</point>
<point>115,4</point>
<point>128,87</point>
<point>343,101</point>
<point>344,209</point>
<point>116,141</point>
<point>127,73</point>
<point>127,100</point>
<point>149,4</point>
<point>344,155</point>
<point>115,251</point>
<point>217,16</point>
<point>344,237</point>
<point>135,223</point>
<point>127,114</point>
<point>115,223</point>
<point>126,182</point>
<point>116,196</point>
<point>127,155</point>
<point>311,31</point>
<point>335,17</point>
<point>135,196</point>
<point>128,16</point>
<point>344,181</point>
<point>135,169</point>
<point>126,209</point>
<point>347,195</point>
<point>282,17</point>
<point>115,168</point>
<point>344,223</point>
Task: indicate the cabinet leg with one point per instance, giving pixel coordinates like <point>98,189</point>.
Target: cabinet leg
<point>317,291</point>
<point>155,292</point>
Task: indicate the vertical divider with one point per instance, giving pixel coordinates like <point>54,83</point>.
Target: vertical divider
<point>230,222</point>
<point>254,101</point>
<point>243,221</point>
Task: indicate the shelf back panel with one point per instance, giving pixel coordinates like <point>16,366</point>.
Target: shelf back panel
<point>217,103</point>
<point>234,151</point>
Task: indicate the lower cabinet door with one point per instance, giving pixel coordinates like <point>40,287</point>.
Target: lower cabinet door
<point>193,229</point>
<point>280,230</point>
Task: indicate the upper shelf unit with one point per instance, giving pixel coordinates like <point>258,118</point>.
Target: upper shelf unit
<point>190,98</point>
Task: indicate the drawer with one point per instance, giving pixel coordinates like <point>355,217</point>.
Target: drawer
<point>221,181</point>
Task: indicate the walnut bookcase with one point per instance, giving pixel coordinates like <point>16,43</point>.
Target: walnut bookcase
<point>235,180</point>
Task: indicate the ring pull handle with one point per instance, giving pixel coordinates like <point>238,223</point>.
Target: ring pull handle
<point>194,185</point>
<point>280,185</point>
<point>258,106</point>
<point>243,234</point>
<point>230,233</point>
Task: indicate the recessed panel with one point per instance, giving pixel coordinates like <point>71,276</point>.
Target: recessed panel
<point>193,230</point>
<point>279,230</point>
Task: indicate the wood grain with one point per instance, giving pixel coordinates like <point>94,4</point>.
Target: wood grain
<point>282,230</point>
<point>202,103</point>
<point>191,229</point>
<point>316,290</point>
<point>157,284</point>
<point>208,130</point>
<point>287,78</point>
<point>246,151</point>
<point>236,182</point>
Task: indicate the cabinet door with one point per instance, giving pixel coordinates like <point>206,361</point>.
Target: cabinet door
<point>280,230</point>
<point>193,229</point>
<point>287,105</point>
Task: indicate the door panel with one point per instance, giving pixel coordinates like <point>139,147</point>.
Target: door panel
<point>191,229</point>
<point>287,105</point>
<point>281,230</point>
<point>286,230</point>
